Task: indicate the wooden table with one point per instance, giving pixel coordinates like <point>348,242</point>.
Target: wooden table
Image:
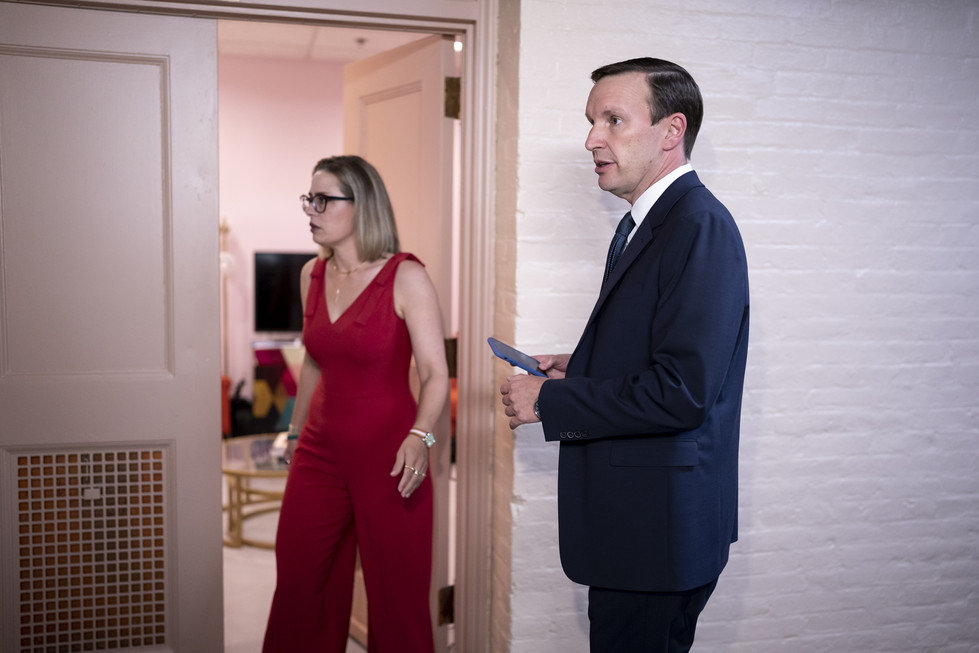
<point>244,459</point>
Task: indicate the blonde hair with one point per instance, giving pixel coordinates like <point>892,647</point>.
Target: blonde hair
<point>374,227</point>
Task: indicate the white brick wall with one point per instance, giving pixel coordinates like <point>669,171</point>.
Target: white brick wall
<point>844,137</point>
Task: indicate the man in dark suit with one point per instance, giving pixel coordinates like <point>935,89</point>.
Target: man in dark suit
<point>648,407</point>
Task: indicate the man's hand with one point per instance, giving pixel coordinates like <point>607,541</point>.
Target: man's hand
<point>554,365</point>
<point>519,392</point>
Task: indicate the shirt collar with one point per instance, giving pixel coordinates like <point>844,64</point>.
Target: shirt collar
<point>651,194</point>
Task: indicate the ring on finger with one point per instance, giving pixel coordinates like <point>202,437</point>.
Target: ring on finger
<point>407,466</point>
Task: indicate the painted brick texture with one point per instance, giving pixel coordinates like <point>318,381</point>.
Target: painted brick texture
<point>844,137</point>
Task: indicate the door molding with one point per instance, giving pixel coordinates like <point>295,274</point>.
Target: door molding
<point>476,23</point>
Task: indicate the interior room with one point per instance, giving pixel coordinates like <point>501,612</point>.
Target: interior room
<point>280,110</point>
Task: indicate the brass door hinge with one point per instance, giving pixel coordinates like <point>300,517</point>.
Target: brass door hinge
<point>452,99</point>
<point>447,605</point>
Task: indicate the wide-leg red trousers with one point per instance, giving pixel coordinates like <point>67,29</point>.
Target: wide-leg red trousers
<point>338,499</point>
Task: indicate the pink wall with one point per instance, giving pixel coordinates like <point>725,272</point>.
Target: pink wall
<point>276,119</point>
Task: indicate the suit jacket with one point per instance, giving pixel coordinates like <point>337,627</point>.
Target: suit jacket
<point>649,413</point>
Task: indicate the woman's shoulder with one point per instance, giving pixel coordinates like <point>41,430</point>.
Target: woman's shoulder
<point>313,265</point>
<point>413,289</point>
<point>410,269</point>
<point>403,264</point>
<point>407,258</point>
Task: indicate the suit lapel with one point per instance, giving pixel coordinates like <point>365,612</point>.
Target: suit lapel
<point>645,235</point>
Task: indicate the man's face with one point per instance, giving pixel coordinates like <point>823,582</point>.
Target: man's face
<point>628,151</point>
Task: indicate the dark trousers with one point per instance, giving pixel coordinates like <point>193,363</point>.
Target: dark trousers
<point>644,622</point>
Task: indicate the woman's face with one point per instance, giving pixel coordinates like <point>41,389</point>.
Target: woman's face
<point>335,225</point>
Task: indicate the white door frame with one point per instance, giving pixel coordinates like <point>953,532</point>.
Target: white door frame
<point>476,23</point>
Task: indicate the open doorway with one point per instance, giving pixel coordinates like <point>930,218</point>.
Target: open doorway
<point>280,95</point>
<point>170,105</point>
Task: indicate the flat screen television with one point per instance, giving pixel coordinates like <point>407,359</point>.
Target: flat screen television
<point>278,305</point>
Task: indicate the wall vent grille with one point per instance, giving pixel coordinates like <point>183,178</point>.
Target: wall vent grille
<point>91,542</point>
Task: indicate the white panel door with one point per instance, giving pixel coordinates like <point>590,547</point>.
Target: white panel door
<point>394,117</point>
<point>109,344</point>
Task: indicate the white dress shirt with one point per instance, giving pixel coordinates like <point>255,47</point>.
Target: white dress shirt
<point>651,194</point>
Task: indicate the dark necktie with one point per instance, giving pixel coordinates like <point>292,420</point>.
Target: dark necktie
<point>618,243</point>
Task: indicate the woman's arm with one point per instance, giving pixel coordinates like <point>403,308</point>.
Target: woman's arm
<point>416,302</point>
<point>309,374</point>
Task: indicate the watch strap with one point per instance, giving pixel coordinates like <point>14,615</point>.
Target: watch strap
<point>427,436</point>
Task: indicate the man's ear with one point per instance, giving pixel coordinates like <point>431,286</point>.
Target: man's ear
<point>676,128</point>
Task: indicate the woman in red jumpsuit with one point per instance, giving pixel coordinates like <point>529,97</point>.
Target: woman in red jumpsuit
<point>357,477</point>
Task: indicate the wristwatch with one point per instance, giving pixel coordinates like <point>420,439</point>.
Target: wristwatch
<point>537,410</point>
<point>427,437</point>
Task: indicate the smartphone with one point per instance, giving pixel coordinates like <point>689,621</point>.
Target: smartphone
<point>515,357</point>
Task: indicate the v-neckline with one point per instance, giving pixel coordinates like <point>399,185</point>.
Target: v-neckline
<point>360,295</point>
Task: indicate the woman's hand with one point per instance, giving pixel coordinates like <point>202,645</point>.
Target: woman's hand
<point>290,450</point>
<point>412,463</point>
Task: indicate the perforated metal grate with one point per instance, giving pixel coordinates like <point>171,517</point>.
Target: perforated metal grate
<point>91,544</point>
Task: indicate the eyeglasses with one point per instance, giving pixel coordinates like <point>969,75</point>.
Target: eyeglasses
<point>319,201</point>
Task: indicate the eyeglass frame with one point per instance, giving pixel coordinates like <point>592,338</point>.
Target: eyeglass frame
<point>310,200</point>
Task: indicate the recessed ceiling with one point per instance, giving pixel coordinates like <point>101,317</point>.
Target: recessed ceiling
<point>306,42</point>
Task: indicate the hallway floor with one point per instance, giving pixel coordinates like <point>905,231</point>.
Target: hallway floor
<point>249,582</point>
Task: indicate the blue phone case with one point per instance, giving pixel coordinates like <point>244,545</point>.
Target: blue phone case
<point>515,357</point>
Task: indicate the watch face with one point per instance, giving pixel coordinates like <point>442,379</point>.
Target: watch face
<point>429,439</point>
